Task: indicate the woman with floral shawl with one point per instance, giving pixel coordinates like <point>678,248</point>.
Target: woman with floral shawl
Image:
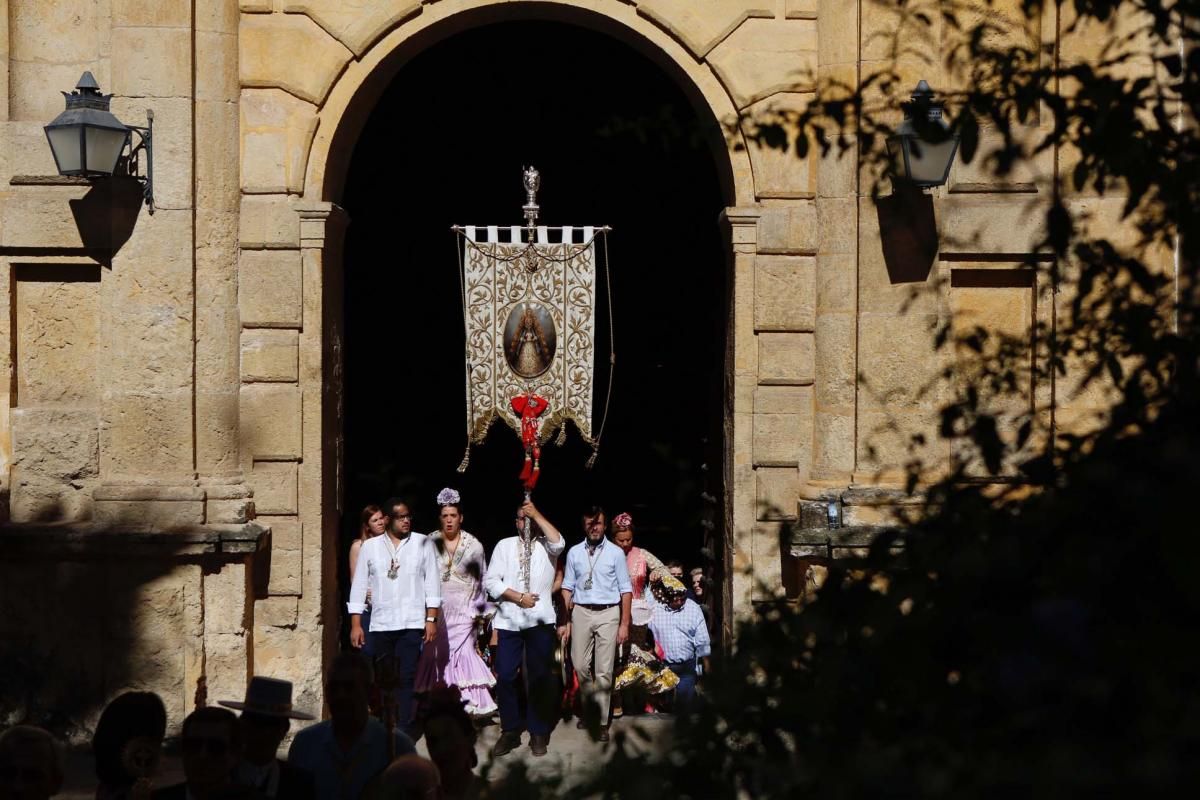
<point>452,659</point>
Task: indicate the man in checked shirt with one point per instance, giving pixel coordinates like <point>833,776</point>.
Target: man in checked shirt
<point>679,629</point>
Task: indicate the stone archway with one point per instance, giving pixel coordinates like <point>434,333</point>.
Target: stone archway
<point>298,125</point>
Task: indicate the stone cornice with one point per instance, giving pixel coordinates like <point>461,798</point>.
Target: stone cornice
<point>89,541</point>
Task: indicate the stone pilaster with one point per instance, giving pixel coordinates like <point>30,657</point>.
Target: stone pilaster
<point>147,448</point>
<point>835,346</point>
<point>217,198</point>
<point>741,364</point>
<point>228,631</point>
<point>291,392</point>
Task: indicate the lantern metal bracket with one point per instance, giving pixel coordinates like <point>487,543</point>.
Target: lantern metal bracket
<point>145,145</point>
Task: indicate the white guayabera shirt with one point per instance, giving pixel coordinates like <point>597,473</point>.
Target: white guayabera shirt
<point>397,603</point>
<point>505,573</point>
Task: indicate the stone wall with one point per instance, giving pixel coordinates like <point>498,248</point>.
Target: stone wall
<point>156,370</point>
<point>127,530</point>
<point>130,627</point>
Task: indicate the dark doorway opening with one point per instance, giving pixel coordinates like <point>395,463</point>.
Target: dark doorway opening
<point>617,142</point>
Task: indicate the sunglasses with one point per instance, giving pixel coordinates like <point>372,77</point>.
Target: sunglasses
<point>195,745</point>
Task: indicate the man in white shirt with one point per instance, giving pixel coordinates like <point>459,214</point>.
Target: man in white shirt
<point>401,572</point>
<point>521,579</point>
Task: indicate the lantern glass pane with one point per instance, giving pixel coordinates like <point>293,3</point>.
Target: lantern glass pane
<point>895,146</point>
<point>64,142</point>
<point>929,161</point>
<point>103,148</point>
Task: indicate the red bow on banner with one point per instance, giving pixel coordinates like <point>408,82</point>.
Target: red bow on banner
<point>530,406</point>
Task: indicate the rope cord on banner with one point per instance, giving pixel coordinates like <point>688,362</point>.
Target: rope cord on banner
<point>612,354</point>
<point>517,255</point>
<point>523,253</point>
<point>460,255</point>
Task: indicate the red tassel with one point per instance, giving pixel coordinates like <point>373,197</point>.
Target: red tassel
<point>530,406</point>
<point>536,473</point>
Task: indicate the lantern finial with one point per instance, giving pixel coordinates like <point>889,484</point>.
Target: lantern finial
<point>87,84</point>
<point>87,141</point>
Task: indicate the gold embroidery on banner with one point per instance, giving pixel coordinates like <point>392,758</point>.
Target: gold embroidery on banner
<point>497,280</point>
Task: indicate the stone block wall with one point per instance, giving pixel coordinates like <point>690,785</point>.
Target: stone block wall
<point>60,656</point>
<point>126,526</point>
<point>179,374</point>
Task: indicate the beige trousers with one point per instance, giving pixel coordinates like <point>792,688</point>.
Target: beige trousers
<point>594,636</point>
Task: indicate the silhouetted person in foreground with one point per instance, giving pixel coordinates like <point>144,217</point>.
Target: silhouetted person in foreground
<point>127,746</point>
<point>349,750</point>
<point>266,715</point>
<point>30,764</point>
<point>409,777</point>
<point>450,735</point>
<point>211,743</point>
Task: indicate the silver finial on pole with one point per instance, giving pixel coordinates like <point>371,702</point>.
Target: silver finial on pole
<point>533,182</point>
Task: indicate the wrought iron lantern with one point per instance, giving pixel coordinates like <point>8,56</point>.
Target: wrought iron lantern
<point>923,147</point>
<point>88,141</point>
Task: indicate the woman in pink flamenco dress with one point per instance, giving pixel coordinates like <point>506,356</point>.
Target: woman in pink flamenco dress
<point>452,659</point>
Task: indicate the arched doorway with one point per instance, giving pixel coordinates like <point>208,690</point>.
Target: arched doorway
<point>618,142</point>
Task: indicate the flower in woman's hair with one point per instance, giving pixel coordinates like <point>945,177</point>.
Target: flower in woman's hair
<point>622,522</point>
<point>448,497</point>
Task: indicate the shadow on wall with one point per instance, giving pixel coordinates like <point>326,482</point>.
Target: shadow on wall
<point>908,233</point>
<point>107,214</point>
<point>86,616</point>
<point>805,545</point>
<point>90,609</point>
<point>94,610</point>
<point>798,549</point>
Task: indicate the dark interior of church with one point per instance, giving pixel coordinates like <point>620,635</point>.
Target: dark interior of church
<point>617,143</point>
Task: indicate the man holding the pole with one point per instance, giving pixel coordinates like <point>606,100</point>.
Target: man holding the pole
<point>520,579</point>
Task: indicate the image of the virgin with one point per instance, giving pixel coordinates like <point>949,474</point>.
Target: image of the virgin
<point>530,339</point>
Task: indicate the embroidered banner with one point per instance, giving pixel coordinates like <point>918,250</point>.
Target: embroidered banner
<point>530,328</point>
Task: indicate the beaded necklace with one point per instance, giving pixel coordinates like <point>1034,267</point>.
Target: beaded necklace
<point>452,561</point>
<point>394,567</point>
